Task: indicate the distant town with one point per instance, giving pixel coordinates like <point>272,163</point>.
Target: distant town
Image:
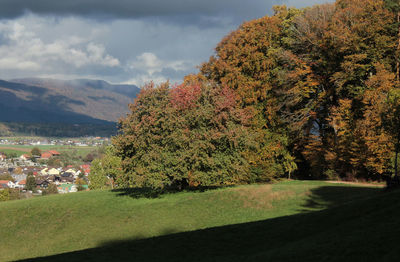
<point>82,141</point>
<point>66,170</point>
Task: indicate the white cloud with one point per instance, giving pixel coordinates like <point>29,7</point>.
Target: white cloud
<point>141,80</point>
<point>148,62</point>
<point>22,49</point>
<point>149,67</point>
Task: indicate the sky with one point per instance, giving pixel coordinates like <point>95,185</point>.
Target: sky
<point>120,41</point>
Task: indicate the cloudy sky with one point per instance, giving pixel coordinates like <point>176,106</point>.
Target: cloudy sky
<point>121,41</point>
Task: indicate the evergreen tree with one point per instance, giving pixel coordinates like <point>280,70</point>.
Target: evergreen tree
<point>30,183</point>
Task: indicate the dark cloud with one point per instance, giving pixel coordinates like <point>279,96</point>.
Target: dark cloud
<point>135,8</point>
<point>129,41</point>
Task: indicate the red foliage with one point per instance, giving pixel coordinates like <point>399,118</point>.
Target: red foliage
<point>185,96</point>
<point>227,100</point>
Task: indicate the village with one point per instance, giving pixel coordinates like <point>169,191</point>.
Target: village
<point>14,173</point>
<point>82,141</point>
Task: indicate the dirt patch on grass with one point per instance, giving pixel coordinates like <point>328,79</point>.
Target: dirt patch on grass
<point>261,197</point>
<point>15,148</point>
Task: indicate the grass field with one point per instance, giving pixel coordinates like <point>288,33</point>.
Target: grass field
<point>287,221</point>
<point>21,149</point>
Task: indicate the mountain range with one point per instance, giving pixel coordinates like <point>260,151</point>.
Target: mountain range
<point>80,101</point>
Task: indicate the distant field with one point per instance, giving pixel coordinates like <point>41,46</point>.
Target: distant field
<point>288,221</point>
<point>21,149</point>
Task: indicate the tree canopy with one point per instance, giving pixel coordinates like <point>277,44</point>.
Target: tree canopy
<point>311,92</point>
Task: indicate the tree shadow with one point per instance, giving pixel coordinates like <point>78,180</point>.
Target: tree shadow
<point>366,229</point>
<point>143,192</point>
<point>331,196</point>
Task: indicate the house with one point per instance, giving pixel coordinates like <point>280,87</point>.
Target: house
<point>69,188</point>
<point>71,172</point>
<point>53,172</point>
<point>25,157</point>
<point>54,153</point>
<point>18,177</point>
<point>46,155</point>
<point>44,171</point>
<point>49,154</point>
<point>86,169</point>
<point>3,184</point>
<point>42,183</point>
<point>67,179</point>
<point>6,184</point>
<point>21,184</point>
<point>2,156</point>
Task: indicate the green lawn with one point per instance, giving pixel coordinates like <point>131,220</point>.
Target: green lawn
<point>287,221</point>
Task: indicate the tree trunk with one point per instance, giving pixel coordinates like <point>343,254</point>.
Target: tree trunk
<point>398,48</point>
<point>396,155</point>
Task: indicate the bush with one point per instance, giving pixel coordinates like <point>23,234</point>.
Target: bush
<point>5,195</point>
<point>9,194</point>
<point>51,189</point>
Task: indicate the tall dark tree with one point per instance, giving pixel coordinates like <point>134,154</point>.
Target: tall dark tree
<point>30,182</point>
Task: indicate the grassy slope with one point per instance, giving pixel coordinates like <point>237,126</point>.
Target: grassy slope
<point>353,222</point>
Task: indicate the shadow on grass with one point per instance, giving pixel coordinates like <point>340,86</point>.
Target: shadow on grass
<point>331,196</point>
<point>366,229</point>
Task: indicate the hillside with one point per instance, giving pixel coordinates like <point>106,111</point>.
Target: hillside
<point>35,100</point>
<point>288,221</point>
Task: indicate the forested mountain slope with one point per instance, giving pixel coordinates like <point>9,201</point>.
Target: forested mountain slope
<point>36,100</point>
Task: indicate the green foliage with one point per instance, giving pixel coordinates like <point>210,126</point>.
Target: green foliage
<point>88,158</point>
<point>189,135</point>
<point>36,151</point>
<point>106,171</point>
<point>30,182</point>
<point>11,154</point>
<point>54,161</point>
<point>6,176</point>
<point>9,194</point>
<point>80,188</point>
<point>50,190</point>
<point>4,195</point>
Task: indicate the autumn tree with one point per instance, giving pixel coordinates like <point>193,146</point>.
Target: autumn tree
<point>249,61</point>
<point>189,135</point>
<point>312,89</point>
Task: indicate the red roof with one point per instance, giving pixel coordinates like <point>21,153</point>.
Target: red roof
<point>22,182</point>
<point>4,181</point>
<point>46,155</point>
<point>54,152</point>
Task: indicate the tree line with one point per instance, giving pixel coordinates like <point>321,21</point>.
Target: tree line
<point>309,93</point>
